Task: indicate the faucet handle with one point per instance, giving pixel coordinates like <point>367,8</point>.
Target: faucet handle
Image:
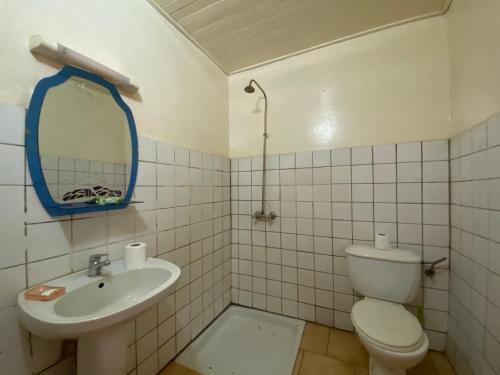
<point>95,258</point>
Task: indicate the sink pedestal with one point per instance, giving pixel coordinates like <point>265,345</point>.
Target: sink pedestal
<point>103,352</point>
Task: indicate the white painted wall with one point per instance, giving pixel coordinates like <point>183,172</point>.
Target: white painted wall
<point>386,87</point>
<point>183,94</point>
<point>473,34</point>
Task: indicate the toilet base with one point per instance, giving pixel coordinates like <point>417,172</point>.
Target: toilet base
<point>377,369</point>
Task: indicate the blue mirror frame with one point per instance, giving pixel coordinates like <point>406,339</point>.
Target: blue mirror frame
<point>33,152</point>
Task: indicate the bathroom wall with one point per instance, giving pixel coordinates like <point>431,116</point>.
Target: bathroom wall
<point>185,218</point>
<point>183,95</point>
<point>473,30</point>
<point>386,87</point>
<point>473,344</point>
<point>326,200</point>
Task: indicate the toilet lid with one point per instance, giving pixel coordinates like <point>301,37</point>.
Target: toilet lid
<point>387,323</point>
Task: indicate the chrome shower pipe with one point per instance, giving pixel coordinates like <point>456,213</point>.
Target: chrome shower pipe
<point>261,215</point>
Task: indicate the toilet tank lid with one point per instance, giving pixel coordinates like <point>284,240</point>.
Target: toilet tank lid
<point>392,255</point>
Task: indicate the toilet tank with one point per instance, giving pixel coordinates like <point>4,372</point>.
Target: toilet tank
<point>391,275</point>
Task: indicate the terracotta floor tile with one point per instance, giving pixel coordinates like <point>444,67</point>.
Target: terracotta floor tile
<point>298,362</point>
<point>315,364</point>
<point>176,369</point>
<point>360,371</point>
<point>434,363</point>
<point>345,346</point>
<point>315,338</point>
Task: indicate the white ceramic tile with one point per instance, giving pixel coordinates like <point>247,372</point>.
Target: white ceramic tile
<point>362,192</point>
<point>410,193</point>
<point>322,176</point>
<point>11,165</point>
<point>435,171</point>
<point>303,160</point>
<point>409,172</point>
<point>362,230</point>
<point>165,153</point>
<point>384,192</point>
<point>10,326</point>
<point>341,156</point>
<point>287,161</point>
<point>435,192</point>
<point>341,175</point>
<point>494,162</point>
<point>342,193</point>
<point>47,240</point>
<point>361,155</point>
<point>384,173</point>
<point>408,152</point>
<point>410,233</point>
<point>147,149</point>
<point>479,137</point>
<point>39,272</point>
<point>12,124</point>
<point>12,282</point>
<point>410,213</point>
<point>321,158</point>
<point>493,130</point>
<point>435,150</point>
<point>13,246</point>
<point>89,233</point>
<point>383,154</point>
<point>11,205</point>
<point>385,212</point>
<point>362,211</point>
<point>146,174</point>
<point>436,214</point>
<point>436,235</point>
<point>181,155</point>
<point>362,174</point>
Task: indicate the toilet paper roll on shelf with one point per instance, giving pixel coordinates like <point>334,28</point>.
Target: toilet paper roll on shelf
<point>382,242</point>
<point>135,254</point>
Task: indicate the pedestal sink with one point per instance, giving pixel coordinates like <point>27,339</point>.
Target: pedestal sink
<point>95,310</point>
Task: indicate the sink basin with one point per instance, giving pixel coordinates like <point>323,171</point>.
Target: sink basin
<point>92,303</point>
<point>95,308</point>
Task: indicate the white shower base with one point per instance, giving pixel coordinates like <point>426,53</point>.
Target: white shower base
<point>244,341</point>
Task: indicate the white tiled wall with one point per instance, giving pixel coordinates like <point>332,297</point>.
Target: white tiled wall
<point>326,200</point>
<point>185,218</point>
<point>474,325</point>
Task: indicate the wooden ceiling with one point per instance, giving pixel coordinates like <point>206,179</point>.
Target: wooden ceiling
<point>239,34</point>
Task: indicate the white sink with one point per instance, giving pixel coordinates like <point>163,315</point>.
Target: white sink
<point>95,308</point>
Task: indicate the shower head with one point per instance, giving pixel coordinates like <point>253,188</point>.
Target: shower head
<point>249,89</point>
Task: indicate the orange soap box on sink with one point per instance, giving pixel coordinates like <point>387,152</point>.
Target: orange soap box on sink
<point>44,293</point>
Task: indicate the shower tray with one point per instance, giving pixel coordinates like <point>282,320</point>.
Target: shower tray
<point>244,341</point>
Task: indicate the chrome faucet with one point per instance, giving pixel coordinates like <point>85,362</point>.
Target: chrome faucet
<point>96,262</point>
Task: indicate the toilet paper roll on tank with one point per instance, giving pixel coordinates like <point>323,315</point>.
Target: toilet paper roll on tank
<point>382,241</point>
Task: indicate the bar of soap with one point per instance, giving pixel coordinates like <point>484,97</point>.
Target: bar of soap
<point>44,293</point>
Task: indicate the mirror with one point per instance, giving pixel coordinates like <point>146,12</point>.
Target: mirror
<point>84,153</point>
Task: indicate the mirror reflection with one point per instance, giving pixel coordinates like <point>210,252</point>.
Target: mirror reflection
<point>84,142</point>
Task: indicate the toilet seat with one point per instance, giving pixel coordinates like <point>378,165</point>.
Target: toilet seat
<point>388,325</point>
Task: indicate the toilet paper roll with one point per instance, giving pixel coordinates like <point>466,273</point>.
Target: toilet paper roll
<point>382,241</point>
<point>135,254</point>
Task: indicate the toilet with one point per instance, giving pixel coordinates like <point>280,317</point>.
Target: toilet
<point>391,334</point>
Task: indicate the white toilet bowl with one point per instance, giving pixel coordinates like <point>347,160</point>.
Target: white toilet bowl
<point>391,334</point>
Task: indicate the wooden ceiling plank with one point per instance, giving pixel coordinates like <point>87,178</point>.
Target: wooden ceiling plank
<point>192,8</point>
<point>174,5</point>
<point>234,22</point>
<point>289,17</point>
<point>212,13</point>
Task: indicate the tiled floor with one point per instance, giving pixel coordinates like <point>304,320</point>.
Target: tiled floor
<point>327,351</point>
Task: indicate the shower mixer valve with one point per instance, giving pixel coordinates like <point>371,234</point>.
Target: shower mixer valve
<point>261,215</point>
